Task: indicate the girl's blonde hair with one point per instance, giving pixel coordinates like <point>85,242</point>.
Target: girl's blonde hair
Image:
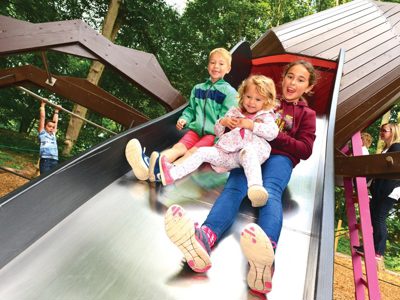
<point>395,129</point>
<point>225,54</point>
<point>265,86</point>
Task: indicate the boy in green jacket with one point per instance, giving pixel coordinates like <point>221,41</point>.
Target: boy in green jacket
<point>208,102</point>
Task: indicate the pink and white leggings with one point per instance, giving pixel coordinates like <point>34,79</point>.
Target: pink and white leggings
<point>250,158</point>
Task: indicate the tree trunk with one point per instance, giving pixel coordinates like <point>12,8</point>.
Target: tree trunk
<point>110,30</point>
<point>25,124</point>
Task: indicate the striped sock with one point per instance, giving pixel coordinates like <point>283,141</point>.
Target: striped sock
<point>212,237</point>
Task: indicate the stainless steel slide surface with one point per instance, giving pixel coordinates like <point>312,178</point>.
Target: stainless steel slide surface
<point>114,246</point>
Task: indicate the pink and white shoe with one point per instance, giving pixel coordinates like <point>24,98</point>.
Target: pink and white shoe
<point>190,240</point>
<point>165,166</point>
<point>258,250</point>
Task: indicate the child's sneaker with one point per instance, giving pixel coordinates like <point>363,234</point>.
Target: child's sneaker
<point>165,166</point>
<point>154,168</point>
<point>258,250</point>
<point>137,159</point>
<point>192,241</point>
<point>258,195</point>
<point>359,250</point>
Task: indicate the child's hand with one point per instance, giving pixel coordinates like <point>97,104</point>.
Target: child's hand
<point>245,123</point>
<point>57,108</point>
<point>231,123</point>
<point>180,124</point>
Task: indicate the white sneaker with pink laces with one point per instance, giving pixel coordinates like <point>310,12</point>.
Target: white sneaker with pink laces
<point>258,250</point>
<point>191,240</point>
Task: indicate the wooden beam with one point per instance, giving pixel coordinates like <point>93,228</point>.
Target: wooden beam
<point>77,90</point>
<point>26,37</point>
<point>377,165</point>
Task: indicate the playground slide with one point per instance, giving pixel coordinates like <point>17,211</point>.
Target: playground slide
<point>90,230</point>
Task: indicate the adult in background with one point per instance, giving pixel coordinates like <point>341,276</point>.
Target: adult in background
<point>385,192</point>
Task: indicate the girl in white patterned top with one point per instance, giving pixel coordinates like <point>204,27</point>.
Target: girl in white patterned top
<point>243,135</point>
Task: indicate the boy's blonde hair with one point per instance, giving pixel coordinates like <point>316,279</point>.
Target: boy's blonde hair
<point>265,86</point>
<point>366,139</point>
<point>225,54</point>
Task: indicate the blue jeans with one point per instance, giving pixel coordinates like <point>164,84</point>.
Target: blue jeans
<point>380,208</point>
<point>47,164</point>
<point>276,172</point>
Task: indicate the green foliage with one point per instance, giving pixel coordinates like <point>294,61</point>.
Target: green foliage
<point>18,142</point>
<point>391,258</point>
<point>12,142</point>
<point>209,24</point>
<point>340,209</point>
<point>4,158</point>
<point>344,245</point>
<point>392,262</point>
<point>130,94</point>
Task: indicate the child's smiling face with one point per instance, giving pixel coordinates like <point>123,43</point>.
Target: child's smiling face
<point>253,101</point>
<point>218,66</point>
<point>296,83</point>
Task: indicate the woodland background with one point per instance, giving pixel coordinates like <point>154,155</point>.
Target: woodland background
<point>180,42</point>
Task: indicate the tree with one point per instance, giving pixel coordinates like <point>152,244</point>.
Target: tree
<point>110,29</point>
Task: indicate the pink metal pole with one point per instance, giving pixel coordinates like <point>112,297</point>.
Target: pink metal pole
<point>366,227</point>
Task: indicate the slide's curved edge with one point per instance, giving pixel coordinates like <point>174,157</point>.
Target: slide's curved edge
<point>326,226</point>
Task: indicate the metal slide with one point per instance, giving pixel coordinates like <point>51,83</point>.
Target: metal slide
<point>113,246</point>
<point>89,230</point>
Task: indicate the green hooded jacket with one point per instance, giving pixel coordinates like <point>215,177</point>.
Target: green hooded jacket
<point>208,102</point>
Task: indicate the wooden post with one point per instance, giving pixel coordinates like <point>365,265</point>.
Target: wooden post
<point>339,227</point>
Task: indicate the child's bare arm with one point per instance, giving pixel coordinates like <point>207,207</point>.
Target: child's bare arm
<point>42,116</point>
<point>55,118</point>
